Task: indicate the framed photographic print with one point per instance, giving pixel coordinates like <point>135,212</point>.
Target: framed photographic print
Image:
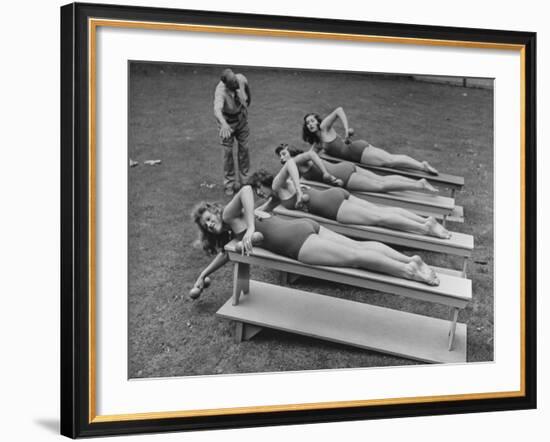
<point>275,220</point>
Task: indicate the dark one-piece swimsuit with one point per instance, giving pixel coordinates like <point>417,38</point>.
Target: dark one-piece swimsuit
<point>282,236</point>
<point>350,152</point>
<point>324,203</point>
<point>343,170</point>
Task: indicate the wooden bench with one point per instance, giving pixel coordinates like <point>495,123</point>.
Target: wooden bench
<point>460,244</point>
<point>359,324</point>
<point>440,207</point>
<point>451,182</point>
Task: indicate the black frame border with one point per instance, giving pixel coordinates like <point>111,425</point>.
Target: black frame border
<point>75,220</point>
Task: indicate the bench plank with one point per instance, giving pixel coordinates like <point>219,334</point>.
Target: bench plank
<point>447,180</point>
<point>452,291</point>
<point>460,244</point>
<point>375,328</point>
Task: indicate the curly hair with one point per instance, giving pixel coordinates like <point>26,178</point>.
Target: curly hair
<point>260,178</point>
<point>210,242</point>
<point>307,135</point>
<point>293,151</point>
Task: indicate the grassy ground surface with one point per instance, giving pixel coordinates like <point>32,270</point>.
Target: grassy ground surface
<point>171,119</point>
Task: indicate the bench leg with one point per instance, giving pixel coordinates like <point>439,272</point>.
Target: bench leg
<point>444,222</point>
<point>292,278</point>
<point>454,317</point>
<point>239,329</point>
<point>241,281</point>
<point>453,192</point>
<point>250,331</point>
<point>245,332</point>
<point>286,278</point>
<point>465,267</point>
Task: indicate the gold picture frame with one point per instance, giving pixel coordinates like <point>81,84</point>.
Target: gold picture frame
<point>79,25</point>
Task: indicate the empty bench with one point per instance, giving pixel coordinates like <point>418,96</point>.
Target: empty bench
<point>424,204</point>
<point>460,244</point>
<point>452,182</point>
<point>354,323</point>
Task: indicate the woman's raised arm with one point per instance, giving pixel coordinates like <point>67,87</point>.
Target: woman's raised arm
<point>329,120</point>
<point>311,155</point>
<point>289,170</point>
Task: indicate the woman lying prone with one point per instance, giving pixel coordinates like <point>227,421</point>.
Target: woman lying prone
<point>302,239</point>
<point>338,204</point>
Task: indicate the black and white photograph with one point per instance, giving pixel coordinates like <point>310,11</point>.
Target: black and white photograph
<point>290,219</point>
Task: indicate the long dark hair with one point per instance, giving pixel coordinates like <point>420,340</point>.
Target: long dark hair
<point>307,136</point>
<point>210,242</point>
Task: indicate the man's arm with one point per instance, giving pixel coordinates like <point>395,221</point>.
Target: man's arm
<point>244,88</point>
<point>248,94</point>
<point>225,129</point>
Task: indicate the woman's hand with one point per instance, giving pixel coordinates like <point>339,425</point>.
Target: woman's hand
<point>332,180</point>
<point>247,242</point>
<point>200,284</point>
<point>349,133</point>
<point>301,200</point>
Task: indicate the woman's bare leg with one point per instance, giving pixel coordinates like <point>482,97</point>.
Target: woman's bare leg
<point>398,210</point>
<point>322,251</point>
<point>430,225</point>
<point>383,249</point>
<point>393,182</point>
<point>379,157</point>
<point>350,213</point>
<point>361,182</point>
<point>406,213</point>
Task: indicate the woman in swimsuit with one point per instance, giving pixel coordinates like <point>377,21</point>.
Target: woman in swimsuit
<point>321,135</point>
<point>353,178</point>
<point>337,204</point>
<point>302,239</point>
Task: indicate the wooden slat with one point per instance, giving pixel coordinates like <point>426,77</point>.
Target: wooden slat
<point>375,328</point>
<point>452,291</point>
<point>447,180</point>
<point>459,244</point>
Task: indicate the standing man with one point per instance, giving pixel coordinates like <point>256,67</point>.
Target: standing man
<point>231,101</point>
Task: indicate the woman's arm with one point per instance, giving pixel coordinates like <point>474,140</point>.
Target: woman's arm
<point>219,261</point>
<point>242,202</point>
<point>329,120</point>
<point>242,206</point>
<point>289,170</point>
<point>327,176</point>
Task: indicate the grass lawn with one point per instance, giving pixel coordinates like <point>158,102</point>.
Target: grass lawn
<point>171,119</point>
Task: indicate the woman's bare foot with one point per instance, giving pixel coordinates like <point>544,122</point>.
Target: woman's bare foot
<point>427,186</point>
<point>429,168</point>
<point>418,270</point>
<point>436,229</point>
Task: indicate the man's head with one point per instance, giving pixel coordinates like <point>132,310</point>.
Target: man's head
<point>230,79</point>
